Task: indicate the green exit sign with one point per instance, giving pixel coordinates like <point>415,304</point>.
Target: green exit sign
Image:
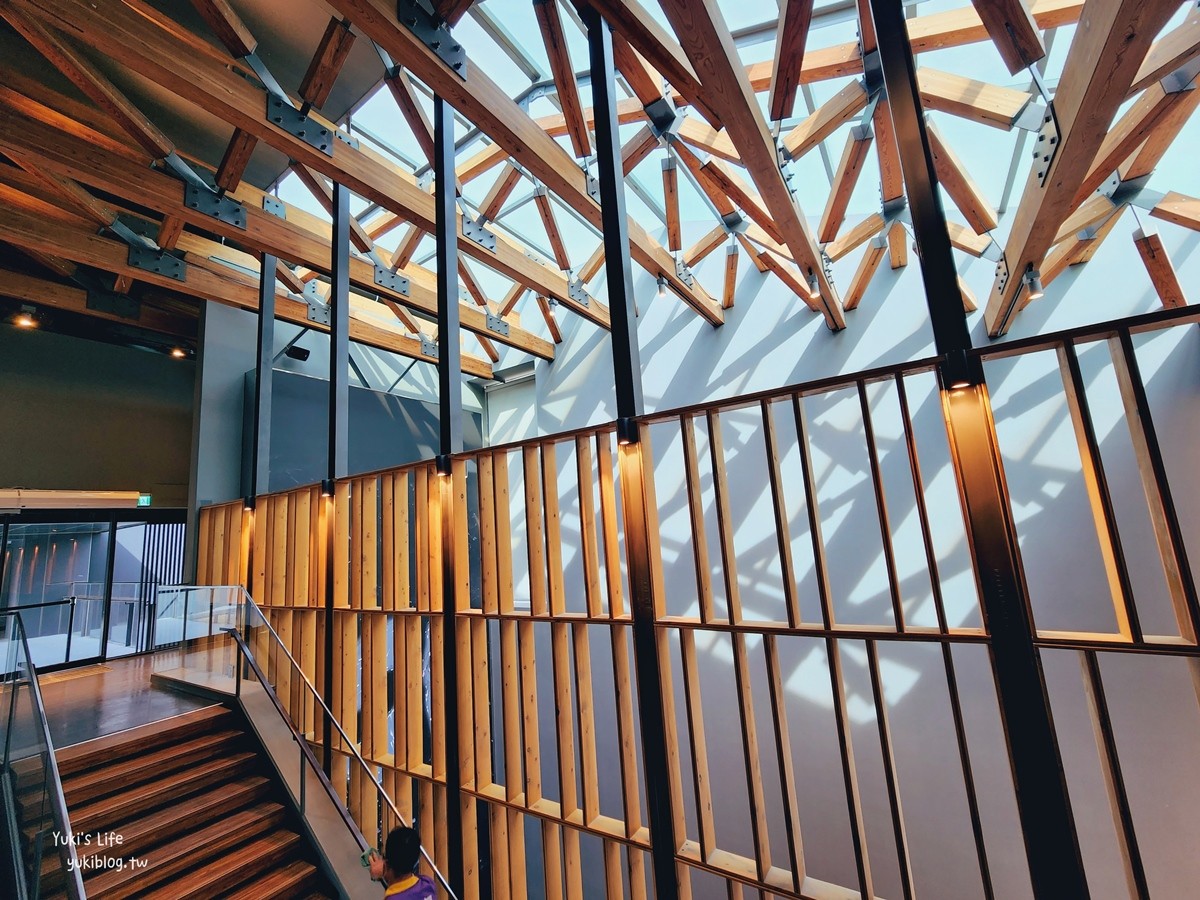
<point>144,499</point>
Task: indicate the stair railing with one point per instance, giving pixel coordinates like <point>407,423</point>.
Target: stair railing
<point>256,630</point>
<point>28,747</point>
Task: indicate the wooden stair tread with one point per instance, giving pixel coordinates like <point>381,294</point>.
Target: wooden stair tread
<point>187,815</point>
<point>294,880</point>
<point>120,775</point>
<point>187,852</point>
<point>96,815</point>
<point>231,870</point>
<point>137,740</point>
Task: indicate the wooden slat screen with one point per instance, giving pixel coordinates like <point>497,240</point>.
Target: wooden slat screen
<point>832,723</point>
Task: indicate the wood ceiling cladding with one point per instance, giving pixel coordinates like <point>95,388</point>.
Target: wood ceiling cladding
<point>723,145</point>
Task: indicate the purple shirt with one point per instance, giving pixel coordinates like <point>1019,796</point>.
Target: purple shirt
<point>424,889</point>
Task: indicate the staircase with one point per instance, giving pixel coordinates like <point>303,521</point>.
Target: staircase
<point>182,809</point>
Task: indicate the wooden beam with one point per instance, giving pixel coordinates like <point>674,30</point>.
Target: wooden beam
<point>472,286</point>
<point>300,237</point>
<point>891,177</point>
<point>862,232</point>
<point>327,63</point>
<point>236,158</point>
<point>742,195</point>
<point>858,143</point>
<point>645,83</point>
<point>400,86</point>
<point>637,148</point>
<point>953,176</point>
<point>205,280</point>
<point>824,121</point>
<point>226,25</point>
<point>1175,49</point>
<point>660,49</point>
<point>1095,209</point>
<point>497,115</point>
<point>322,190</point>
<point>865,272</point>
<point>1179,209</point>
<point>1151,114</point>
<point>143,47</point>
<point>1103,60</point>
<point>85,76</point>
<point>952,28</point>
<point>1158,266</point>
<point>705,246</point>
<point>513,298</point>
<point>731,270</point>
<point>970,304</point>
<point>794,280</point>
<point>702,30</point>
<point>965,239</point>
<point>555,42</point>
<point>1013,31</point>
<point>790,38</point>
<point>670,181</point>
<point>700,134</point>
<point>406,248</point>
<point>542,199</point>
<point>1076,250</point>
<point>451,11</point>
<point>1160,139</point>
<point>551,321</point>
<point>968,98</point>
<point>898,245</point>
<point>502,188</point>
<point>705,178</point>
<point>30,289</point>
<point>593,265</point>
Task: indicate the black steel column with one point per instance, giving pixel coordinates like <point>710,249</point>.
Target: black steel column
<point>260,463</point>
<point>1051,843</point>
<point>339,401</point>
<point>450,414</point>
<point>627,365</point>
<point>627,373</point>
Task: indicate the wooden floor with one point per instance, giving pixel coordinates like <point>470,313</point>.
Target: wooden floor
<point>109,699</point>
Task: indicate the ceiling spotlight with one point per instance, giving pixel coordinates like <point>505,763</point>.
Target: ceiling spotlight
<point>814,286</point>
<point>178,352</point>
<point>26,317</point>
<point>297,353</point>
<point>1033,283</point>
<point>662,286</point>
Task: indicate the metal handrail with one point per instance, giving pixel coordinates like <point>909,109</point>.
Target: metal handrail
<point>58,802</point>
<point>248,601</point>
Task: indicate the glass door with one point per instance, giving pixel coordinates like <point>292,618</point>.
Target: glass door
<point>50,574</point>
<point>148,555</point>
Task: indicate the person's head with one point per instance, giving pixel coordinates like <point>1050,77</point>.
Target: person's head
<point>402,852</point>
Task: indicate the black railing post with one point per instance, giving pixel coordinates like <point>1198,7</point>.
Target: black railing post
<point>450,413</point>
<point>1051,843</point>
<point>627,372</point>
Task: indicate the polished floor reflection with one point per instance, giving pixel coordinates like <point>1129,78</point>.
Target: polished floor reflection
<point>101,700</point>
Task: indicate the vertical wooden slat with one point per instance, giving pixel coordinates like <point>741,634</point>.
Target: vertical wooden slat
<point>514,777</point>
<point>588,541</point>
<point>262,555</point>
<point>370,546</point>
<point>858,831</point>
<point>502,885</point>
<point>301,583</point>
<point>755,797</point>
<point>691,472</point>
<point>421,522</point>
<point>415,694</point>
<point>613,887</point>
<point>504,575</point>
<point>698,745</point>
<point>552,860</point>
<point>1163,518</point>
<point>554,561</point>
<point>885,529</point>
<point>529,713</point>
<point>437,695</point>
<point>585,711</point>
<point>572,863</point>
<point>535,532</point>
<point>387,541</point>
<point>402,699</point>
<point>516,862</point>
<point>783,752</point>
<point>277,592</point>
<point>787,569</point>
<point>341,546</point>
<point>564,720</point>
<point>623,690</point>
<point>820,564</point>
<point>489,589</point>
<point>716,447</point>
<point>1114,779</point>
<point>609,520</point>
<point>1099,498</point>
<point>480,680</point>
<point>889,772</point>
<point>465,678</point>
